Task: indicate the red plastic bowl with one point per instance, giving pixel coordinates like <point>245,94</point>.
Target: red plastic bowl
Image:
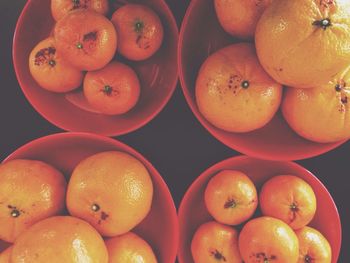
<point>65,150</point>
<point>158,76</point>
<point>200,36</point>
<point>193,213</point>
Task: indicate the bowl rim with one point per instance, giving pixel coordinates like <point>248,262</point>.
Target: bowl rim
<point>208,172</point>
<point>53,121</point>
<point>126,148</point>
<point>212,130</point>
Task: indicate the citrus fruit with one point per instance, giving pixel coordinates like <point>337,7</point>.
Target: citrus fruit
<point>5,256</point>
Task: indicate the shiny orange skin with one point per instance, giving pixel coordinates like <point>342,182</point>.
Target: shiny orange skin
<point>239,18</point>
<point>302,109</point>
<point>60,239</point>
<point>129,248</point>
<point>50,70</point>
<point>304,43</point>
<point>59,8</point>
<point>267,239</point>
<point>86,39</point>
<point>29,192</point>
<point>231,197</point>
<point>140,31</point>
<point>115,89</point>
<point>290,199</point>
<point>112,191</point>
<point>225,101</point>
<point>313,246</point>
<point>214,242</point>
<point>5,256</point>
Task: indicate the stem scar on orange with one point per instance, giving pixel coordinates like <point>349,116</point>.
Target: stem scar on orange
<point>140,31</point>
<point>268,240</point>
<point>234,93</point>
<point>231,197</point>
<point>60,8</point>
<point>290,199</point>
<point>115,89</point>
<point>86,39</point>
<point>304,43</point>
<point>29,192</point>
<point>215,243</point>
<point>112,191</point>
<point>50,70</point>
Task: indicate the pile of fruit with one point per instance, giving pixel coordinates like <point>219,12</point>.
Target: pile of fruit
<point>82,48</point>
<point>107,196</point>
<point>302,45</point>
<point>278,233</point>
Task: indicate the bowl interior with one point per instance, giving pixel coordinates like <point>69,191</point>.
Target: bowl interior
<point>193,213</point>
<point>158,75</point>
<point>200,36</point>
<point>65,151</point>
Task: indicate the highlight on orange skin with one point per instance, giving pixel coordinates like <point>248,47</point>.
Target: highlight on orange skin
<point>59,8</point>
<point>113,90</point>
<point>140,31</point>
<point>268,240</point>
<point>234,93</point>
<point>29,192</point>
<point>129,248</point>
<point>290,199</point>
<point>50,70</point>
<point>86,39</point>
<point>215,243</point>
<point>231,197</point>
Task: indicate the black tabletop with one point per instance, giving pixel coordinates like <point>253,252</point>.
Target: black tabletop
<point>177,145</point>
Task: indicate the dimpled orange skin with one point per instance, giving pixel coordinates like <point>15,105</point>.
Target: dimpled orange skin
<point>29,192</point>
<point>302,109</point>
<point>267,239</point>
<point>289,199</point>
<point>234,93</point>
<point>298,46</point>
<point>5,256</point>
<point>86,39</point>
<point>239,18</point>
<point>60,8</point>
<point>140,31</point>
<point>214,243</point>
<point>112,191</point>
<point>50,70</point>
<point>129,248</point>
<point>60,239</point>
<point>231,197</point>
<point>313,246</point>
<point>115,89</point>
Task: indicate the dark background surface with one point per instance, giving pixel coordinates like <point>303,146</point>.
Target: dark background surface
<point>178,146</point>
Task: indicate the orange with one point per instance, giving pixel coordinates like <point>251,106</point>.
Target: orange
<point>239,18</point>
<point>214,243</point>
<point>304,43</point>
<point>231,197</point>
<point>60,8</point>
<point>234,93</point>
<point>112,191</point>
<point>50,70</point>
<point>313,246</point>
<point>115,89</point>
<point>302,109</point>
<point>29,192</point>
<point>290,199</point>
<point>129,248</point>
<point>5,256</point>
<point>60,239</point>
<point>266,239</point>
<point>140,31</point>
<point>86,39</point>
